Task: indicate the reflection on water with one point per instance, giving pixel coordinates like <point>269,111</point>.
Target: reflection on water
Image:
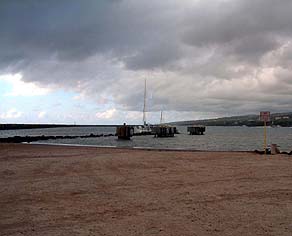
<point>215,138</point>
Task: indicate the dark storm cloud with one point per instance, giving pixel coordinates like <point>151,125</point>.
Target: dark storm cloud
<point>75,30</point>
<point>203,55</point>
<point>71,29</point>
<point>244,29</point>
<point>154,57</point>
<point>223,22</point>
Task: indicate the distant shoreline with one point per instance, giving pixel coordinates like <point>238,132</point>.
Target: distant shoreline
<point>49,126</point>
<point>45,126</point>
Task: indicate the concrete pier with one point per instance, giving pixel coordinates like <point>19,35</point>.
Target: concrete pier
<point>124,132</point>
<point>164,131</point>
<point>196,130</point>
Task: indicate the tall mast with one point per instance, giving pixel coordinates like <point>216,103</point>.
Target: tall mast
<point>144,107</point>
<point>161,118</point>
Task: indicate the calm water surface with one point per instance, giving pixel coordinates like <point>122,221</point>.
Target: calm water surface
<point>215,138</point>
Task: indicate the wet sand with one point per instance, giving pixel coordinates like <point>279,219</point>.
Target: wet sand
<point>62,190</point>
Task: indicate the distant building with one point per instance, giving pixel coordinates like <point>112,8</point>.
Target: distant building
<point>282,117</point>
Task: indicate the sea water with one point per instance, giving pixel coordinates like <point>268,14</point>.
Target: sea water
<point>214,139</point>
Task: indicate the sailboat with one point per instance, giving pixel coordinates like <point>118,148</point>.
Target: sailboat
<point>144,129</point>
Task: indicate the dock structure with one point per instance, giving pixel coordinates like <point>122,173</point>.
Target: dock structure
<point>163,131</point>
<point>124,132</point>
<point>196,130</point>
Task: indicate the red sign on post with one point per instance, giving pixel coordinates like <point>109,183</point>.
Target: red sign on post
<point>265,116</point>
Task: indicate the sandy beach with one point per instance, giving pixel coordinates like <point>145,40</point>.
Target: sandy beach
<point>63,190</point>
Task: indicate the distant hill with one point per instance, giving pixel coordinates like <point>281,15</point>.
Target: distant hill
<point>277,119</point>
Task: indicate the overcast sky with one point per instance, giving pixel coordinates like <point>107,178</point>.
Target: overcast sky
<point>66,61</point>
